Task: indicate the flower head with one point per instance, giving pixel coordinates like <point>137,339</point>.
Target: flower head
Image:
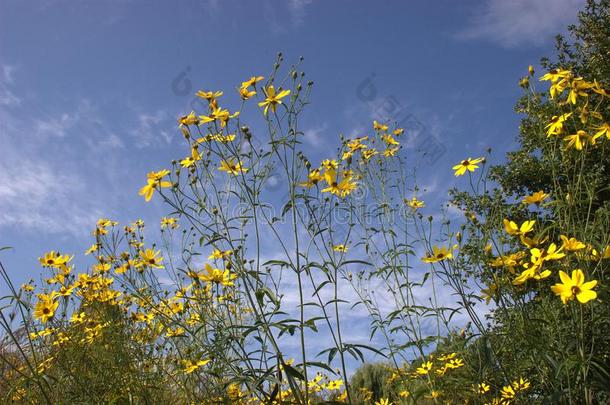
<point>272,98</point>
<point>575,287</point>
<point>467,165</point>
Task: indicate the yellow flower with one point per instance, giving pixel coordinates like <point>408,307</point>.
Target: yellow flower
<point>192,366</point>
<point>244,89</point>
<point>209,95</point>
<point>512,228</point>
<point>369,153</point>
<point>168,222</point>
<point>404,394</point>
<point>555,75</point>
<point>46,306</point>
<point>438,254</point>
<point>379,127</point>
<point>578,140</point>
<point>217,114</point>
<point>601,130</point>
<point>313,178</point>
<point>339,188</point>
<point>521,384</point>
<point>571,244</point>
<point>467,165</point>
<point>149,258</point>
<point>27,287</point>
<point>390,152</point>
<point>433,395</point>
<point>535,198</point>
<point>187,162</point>
<point>219,254</point>
<point>482,388</point>
<point>389,140</point>
<point>575,287</point>
<point>489,292</point>
<point>334,385</point>
<point>383,401</point>
<point>424,368</point>
<point>190,119</point>
<point>414,203</point>
<point>231,167</point>
<point>508,392</point>
<point>340,248</point>
<point>154,180</point>
<point>556,125</point>
<point>272,98</point>
<point>54,259</point>
<point>214,275</point>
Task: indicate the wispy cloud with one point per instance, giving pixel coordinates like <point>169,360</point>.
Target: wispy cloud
<point>149,127</point>
<point>298,10</point>
<point>521,22</point>
<point>7,97</point>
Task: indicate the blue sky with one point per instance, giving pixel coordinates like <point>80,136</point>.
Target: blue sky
<point>90,91</point>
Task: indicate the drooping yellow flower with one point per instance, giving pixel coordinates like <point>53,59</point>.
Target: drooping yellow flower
<point>535,198</point>
<point>578,140</point>
<point>272,98</point>
<point>438,254</point>
<point>46,306</point>
<point>231,167</point>
<point>340,248</point>
<point>603,129</point>
<point>575,287</point>
<point>467,165</point>
<point>513,229</point>
<point>154,180</point>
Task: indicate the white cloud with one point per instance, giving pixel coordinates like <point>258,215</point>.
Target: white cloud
<point>297,10</point>
<point>36,196</point>
<point>521,22</point>
<point>149,127</point>
<point>7,97</point>
<point>315,136</point>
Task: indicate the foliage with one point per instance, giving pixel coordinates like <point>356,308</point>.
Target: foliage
<point>245,273</point>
